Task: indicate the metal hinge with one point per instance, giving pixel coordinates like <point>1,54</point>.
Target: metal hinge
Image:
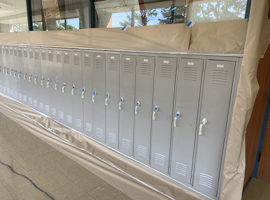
<point>259,157</point>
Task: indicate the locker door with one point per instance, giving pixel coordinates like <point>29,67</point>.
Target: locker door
<point>12,82</point>
<point>88,89</point>
<point>31,77</point>
<point>187,98</point>
<point>77,90</point>
<point>98,96</point>
<point>66,89</point>
<point>214,113</point>
<point>26,89</point>
<point>58,85</point>
<point>143,107</point>
<point>112,99</point>
<point>36,77</point>
<point>20,74</point>
<point>16,81</point>
<point>42,86</point>
<point>8,81</point>
<point>162,112</point>
<point>1,70</point>
<point>126,103</point>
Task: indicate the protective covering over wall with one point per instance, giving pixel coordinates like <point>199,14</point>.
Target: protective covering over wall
<point>132,178</point>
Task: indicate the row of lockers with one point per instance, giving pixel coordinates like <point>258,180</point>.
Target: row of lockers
<point>166,111</point>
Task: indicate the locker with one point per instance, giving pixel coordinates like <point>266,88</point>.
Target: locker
<point>112,99</point>
<point>31,75</point>
<point>58,85</point>
<point>15,74</point>
<point>126,103</point>
<point>26,77</point>
<point>212,124</point>
<point>12,82</point>
<point>1,70</point>
<point>77,90</point>
<point>187,97</point>
<point>8,70</point>
<point>42,87</point>
<point>4,70</point>
<point>20,69</point>
<point>36,76</point>
<point>99,95</point>
<point>162,112</point>
<point>143,107</point>
<point>87,62</point>
<point>67,87</point>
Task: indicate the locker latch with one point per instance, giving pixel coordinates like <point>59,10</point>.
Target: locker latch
<point>120,103</point>
<point>83,93</point>
<point>154,113</point>
<point>204,121</point>
<point>42,81</point>
<point>63,88</point>
<point>30,78</point>
<point>48,83</point>
<point>19,75</point>
<point>107,98</point>
<point>10,73</point>
<point>56,85</point>
<point>94,96</point>
<point>177,115</point>
<point>35,80</point>
<point>15,74</point>
<point>73,90</point>
<point>136,107</point>
<point>24,76</point>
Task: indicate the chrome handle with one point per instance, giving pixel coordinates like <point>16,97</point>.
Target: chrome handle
<point>35,80</point>
<point>204,121</point>
<point>120,103</point>
<point>10,73</point>
<point>48,83</point>
<point>56,85</point>
<point>19,75</point>
<point>30,78</point>
<point>175,118</point>
<point>154,113</point>
<point>14,74</point>
<point>63,88</point>
<point>24,77</point>
<point>94,96</point>
<point>73,90</point>
<point>42,81</point>
<point>107,99</point>
<point>136,107</point>
<point>83,93</point>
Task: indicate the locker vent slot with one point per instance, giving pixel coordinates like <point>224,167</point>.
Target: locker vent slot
<point>181,169</point>
<point>20,53</point>
<point>125,144</point>
<point>128,67</point>
<point>112,137</point>
<point>66,59</point>
<point>88,127</point>
<point>58,58</point>
<point>99,63</point>
<point>99,132</point>
<point>25,54</point>
<point>30,100</point>
<point>76,60</point>
<point>206,180</point>
<point>69,119</point>
<point>53,111</point>
<point>190,73</point>
<point>43,56</point>
<point>15,53</point>
<point>142,151</point>
<point>11,52</point>
<point>61,115</point>
<point>166,71</point>
<point>159,159</point>
<point>146,69</point>
<point>79,123</point>
<point>7,51</point>
<point>50,56</point>
<point>87,62</point>
<point>36,55</point>
<point>35,103</point>
<point>219,76</point>
<point>31,54</point>
<point>41,105</point>
<point>113,65</point>
<point>47,108</point>
<point>24,97</point>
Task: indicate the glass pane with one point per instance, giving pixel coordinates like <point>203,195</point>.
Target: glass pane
<point>60,25</point>
<point>218,10</point>
<point>73,23</point>
<point>119,13</point>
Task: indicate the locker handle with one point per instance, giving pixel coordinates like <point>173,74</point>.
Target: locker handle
<point>35,80</point>
<point>19,75</point>
<point>24,77</point>
<point>94,96</point>
<point>120,103</point>
<point>48,83</point>
<point>42,81</point>
<point>30,78</point>
<point>63,88</point>
<point>136,107</point>
<point>73,90</point>
<point>175,119</point>
<point>83,93</point>
<point>56,85</point>
<point>10,73</point>
<point>14,74</point>
<point>107,98</point>
<point>154,113</point>
<point>204,121</point>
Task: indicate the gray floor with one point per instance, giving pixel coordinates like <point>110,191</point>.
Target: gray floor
<point>59,176</point>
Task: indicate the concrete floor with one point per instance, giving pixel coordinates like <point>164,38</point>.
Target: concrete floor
<point>257,190</point>
<point>59,176</point>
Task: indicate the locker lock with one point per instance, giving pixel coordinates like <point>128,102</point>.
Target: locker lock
<point>83,93</point>
<point>120,103</point>
<point>204,122</point>
<point>136,107</point>
<point>15,74</point>
<point>35,80</point>
<point>73,90</point>
<point>19,74</point>
<point>107,98</point>
<point>63,88</point>
<point>24,76</point>
<point>94,96</point>
<point>177,115</point>
<point>48,83</point>
<point>10,73</point>
<point>56,85</point>
<point>154,113</point>
<point>42,81</point>
<point>30,78</point>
